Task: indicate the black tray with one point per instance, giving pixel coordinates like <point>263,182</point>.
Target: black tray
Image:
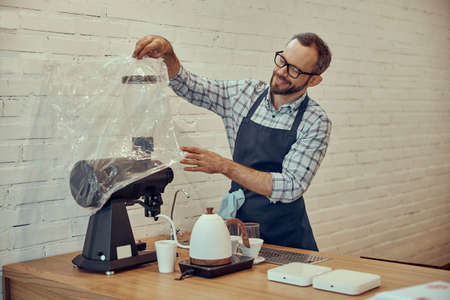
<point>238,263</point>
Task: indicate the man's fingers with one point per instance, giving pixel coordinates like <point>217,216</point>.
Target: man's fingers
<point>141,45</point>
<point>190,162</point>
<point>191,149</point>
<point>150,50</point>
<point>193,156</point>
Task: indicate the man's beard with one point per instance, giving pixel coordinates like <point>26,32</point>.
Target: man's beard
<point>287,91</point>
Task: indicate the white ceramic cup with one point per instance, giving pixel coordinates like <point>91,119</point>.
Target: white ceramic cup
<point>235,239</point>
<point>166,253</point>
<point>255,247</point>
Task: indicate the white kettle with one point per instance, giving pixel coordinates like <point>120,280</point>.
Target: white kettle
<point>210,243</point>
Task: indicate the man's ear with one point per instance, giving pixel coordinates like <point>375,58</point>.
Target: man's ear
<point>315,80</point>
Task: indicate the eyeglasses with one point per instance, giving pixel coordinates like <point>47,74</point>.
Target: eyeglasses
<point>292,70</point>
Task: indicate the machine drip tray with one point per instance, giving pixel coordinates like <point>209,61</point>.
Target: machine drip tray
<point>238,263</point>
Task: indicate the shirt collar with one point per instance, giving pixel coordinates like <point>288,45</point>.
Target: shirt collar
<point>290,106</point>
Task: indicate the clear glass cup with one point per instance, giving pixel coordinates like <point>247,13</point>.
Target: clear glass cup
<point>252,229</point>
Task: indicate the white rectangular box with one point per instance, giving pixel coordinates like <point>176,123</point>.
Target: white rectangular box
<point>296,273</point>
<point>346,282</point>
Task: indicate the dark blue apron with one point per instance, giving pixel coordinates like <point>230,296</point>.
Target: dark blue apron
<point>264,148</point>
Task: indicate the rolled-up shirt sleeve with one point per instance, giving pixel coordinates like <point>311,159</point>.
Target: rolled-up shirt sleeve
<point>301,163</point>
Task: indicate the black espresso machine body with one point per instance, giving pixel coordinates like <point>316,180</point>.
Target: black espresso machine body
<point>109,243</point>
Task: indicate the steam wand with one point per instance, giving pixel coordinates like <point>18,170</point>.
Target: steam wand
<point>186,194</point>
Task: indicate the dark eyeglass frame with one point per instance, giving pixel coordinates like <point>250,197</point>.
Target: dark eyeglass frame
<point>300,72</point>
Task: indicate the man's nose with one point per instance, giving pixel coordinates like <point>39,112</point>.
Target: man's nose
<point>283,71</point>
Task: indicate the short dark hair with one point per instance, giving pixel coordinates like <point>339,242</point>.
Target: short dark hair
<point>324,54</point>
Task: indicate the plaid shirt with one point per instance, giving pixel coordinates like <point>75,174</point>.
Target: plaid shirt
<point>232,100</point>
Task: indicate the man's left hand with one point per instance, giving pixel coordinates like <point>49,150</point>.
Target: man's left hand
<point>201,160</point>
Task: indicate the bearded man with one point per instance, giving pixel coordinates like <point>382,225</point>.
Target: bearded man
<point>277,134</point>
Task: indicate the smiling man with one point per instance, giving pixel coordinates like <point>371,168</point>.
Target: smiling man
<point>278,135</point>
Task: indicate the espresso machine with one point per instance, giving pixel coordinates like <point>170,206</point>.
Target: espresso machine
<point>110,185</point>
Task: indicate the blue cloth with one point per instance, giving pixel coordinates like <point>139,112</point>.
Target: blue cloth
<point>231,202</point>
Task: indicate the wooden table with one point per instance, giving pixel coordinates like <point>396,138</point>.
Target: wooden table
<point>56,278</point>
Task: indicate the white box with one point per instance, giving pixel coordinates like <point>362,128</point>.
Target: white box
<point>346,282</point>
<point>296,273</point>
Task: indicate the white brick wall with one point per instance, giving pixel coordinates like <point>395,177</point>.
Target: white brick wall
<point>384,187</point>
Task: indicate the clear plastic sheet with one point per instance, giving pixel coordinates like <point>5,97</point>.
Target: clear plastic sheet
<point>113,117</point>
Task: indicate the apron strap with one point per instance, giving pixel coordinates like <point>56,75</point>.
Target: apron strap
<point>300,113</point>
<point>256,104</point>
